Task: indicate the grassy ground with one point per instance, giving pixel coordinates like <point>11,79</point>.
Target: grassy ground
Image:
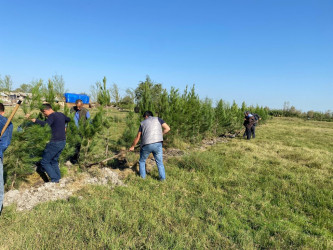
<point>271,192</point>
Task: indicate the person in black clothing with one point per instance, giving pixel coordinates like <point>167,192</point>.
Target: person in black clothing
<point>57,121</point>
<point>249,123</point>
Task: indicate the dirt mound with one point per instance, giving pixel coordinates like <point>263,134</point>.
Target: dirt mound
<point>28,198</point>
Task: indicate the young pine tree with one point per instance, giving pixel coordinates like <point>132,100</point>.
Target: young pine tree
<point>222,121</point>
<point>162,108</point>
<point>191,115</point>
<point>146,101</point>
<point>50,96</point>
<point>207,117</point>
<point>34,101</point>
<point>175,114</point>
<point>131,130</point>
<point>103,94</point>
<point>89,130</point>
<point>24,153</point>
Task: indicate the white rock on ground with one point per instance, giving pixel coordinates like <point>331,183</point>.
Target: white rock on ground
<point>28,198</point>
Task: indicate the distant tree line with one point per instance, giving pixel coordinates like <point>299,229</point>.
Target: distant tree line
<point>149,95</point>
<point>100,92</point>
<point>6,83</point>
<point>291,111</point>
<point>58,85</point>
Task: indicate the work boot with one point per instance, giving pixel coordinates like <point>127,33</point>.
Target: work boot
<point>41,172</point>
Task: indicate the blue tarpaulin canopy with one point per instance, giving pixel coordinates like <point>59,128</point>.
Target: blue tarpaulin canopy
<point>70,97</point>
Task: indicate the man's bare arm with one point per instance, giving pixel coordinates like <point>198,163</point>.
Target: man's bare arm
<point>166,128</point>
<point>136,140</point>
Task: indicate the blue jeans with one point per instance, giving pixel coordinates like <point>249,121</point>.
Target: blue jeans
<point>2,190</point>
<point>50,159</point>
<point>156,149</point>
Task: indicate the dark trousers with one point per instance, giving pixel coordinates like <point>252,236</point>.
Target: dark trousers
<point>50,159</point>
<point>250,131</point>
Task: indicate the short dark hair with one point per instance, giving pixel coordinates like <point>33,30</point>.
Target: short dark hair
<point>78,100</point>
<point>2,107</point>
<point>45,106</point>
<point>148,113</point>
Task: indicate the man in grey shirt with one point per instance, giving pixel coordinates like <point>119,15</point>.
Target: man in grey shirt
<point>151,142</point>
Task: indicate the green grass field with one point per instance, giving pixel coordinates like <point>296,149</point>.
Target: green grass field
<point>272,192</point>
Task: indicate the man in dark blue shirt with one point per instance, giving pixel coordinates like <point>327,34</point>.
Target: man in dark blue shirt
<point>4,143</point>
<point>57,121</point>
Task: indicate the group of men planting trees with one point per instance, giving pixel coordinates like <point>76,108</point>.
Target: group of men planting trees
<point>150,132</point>
<point>57,122</point>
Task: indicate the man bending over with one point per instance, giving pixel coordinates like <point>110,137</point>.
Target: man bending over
<point>151,142</point>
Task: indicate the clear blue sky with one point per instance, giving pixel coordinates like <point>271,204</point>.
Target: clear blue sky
<point>258,51</point>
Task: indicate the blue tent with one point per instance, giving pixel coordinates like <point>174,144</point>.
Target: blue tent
<point>70,97</point>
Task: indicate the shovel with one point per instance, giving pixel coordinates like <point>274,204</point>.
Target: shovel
<point>10,117</point>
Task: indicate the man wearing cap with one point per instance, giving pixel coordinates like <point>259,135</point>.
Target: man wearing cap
<point>151,135</point>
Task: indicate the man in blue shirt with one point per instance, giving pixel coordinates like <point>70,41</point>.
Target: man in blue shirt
<point>57,121</point>
<point>81,113</point>
<point>4,143</point>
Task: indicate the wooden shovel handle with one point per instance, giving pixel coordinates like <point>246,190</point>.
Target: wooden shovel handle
<point>10,117</point>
